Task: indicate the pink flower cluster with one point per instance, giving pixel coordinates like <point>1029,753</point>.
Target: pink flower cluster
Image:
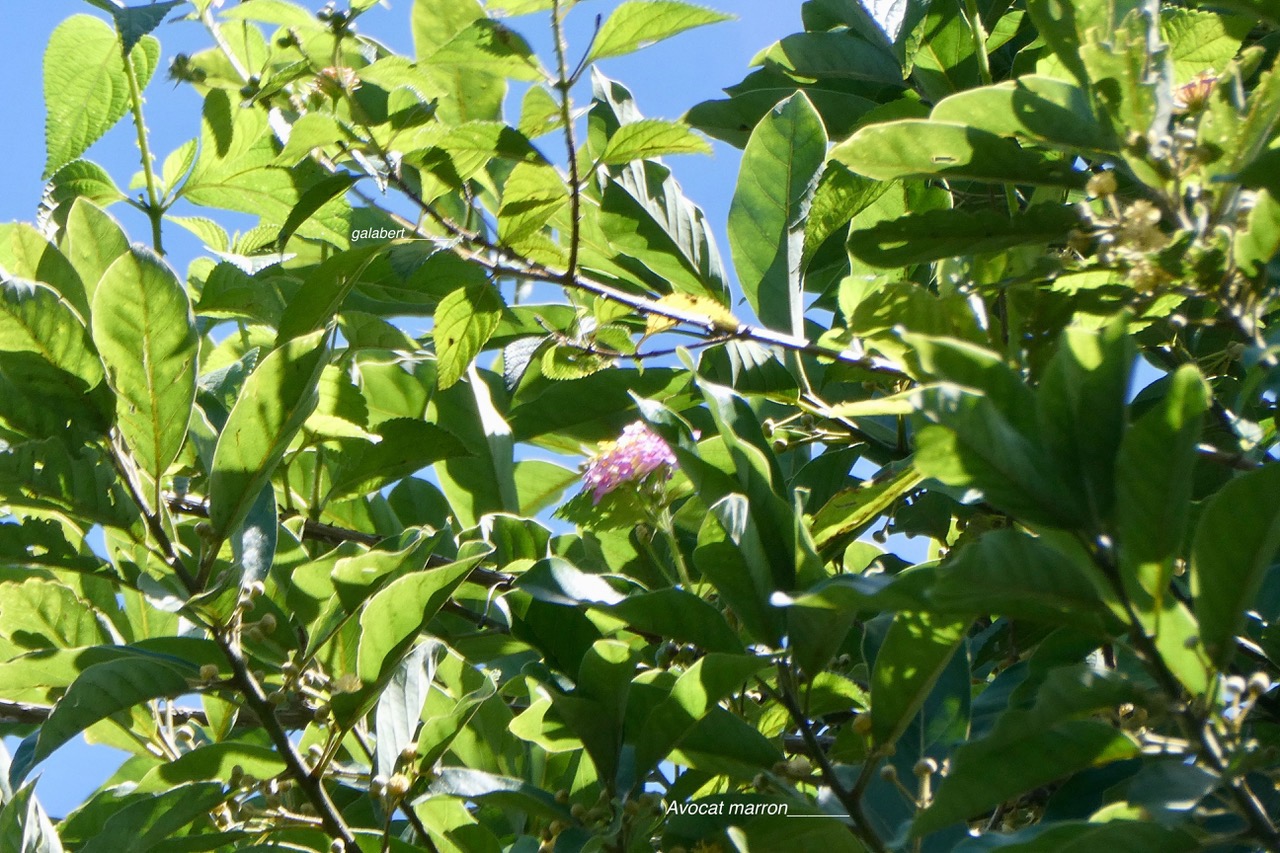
<point>635,455</point>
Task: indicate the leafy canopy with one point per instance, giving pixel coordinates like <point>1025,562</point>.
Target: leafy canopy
<point>944,509</point>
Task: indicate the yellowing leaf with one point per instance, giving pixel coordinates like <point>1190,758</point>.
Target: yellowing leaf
<point>700,309</point>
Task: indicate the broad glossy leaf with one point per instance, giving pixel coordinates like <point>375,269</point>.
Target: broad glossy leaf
<point>1041,109</point>
<point>253,544</point>
<point>639,23</point>
<point>405,446</point>
<point>24,825</point>
<point>698,689</point>
<point>400,706</point>
<point>1154,486</point>
<point>100,691</point>
<point>680,615</point>
<point>26,253</point>
<point>214,761</point>
<point>1235,543</point>
<point>853,510</point>
<point>974,446</point>
<point>1081,411</point>
<point>150,823</point>
<point>145,331</point>
<point>916,650</point>
<point>478,786</point>
<point>1024,577</point>
<point>399,611</point>
<point>86,89</point>
<point>937,234</point>
<point>997,768</point>
<point>34,319</point>
<point>465,320</point>
<point>40,614</point>
<point>649,138</point>
<point>94,239</point>
<point>274,403</point>
<point>783,157</point>
<point>934,149</point>
<point>1065,836</point>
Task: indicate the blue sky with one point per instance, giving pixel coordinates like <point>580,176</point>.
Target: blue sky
<point>667,79</point>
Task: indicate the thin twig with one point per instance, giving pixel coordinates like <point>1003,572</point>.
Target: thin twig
<point>851,799</point>
<point>565,85</point>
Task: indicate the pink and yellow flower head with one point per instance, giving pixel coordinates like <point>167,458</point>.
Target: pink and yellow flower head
<point>637,453</point>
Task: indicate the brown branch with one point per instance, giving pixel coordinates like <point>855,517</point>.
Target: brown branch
<point>311,784</point>
<point>851,800</point>
<point>565,85</point>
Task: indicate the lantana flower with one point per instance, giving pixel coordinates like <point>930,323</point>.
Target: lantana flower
<point>638,453</point>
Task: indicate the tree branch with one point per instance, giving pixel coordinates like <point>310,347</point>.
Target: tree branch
<point>565,84</point>
<point>851,801</point>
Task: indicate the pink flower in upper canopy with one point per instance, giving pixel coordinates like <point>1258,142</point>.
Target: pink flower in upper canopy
<point>637,453</point>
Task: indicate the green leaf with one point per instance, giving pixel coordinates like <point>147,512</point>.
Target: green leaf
<point>400,706</point>
<point>392,619</point>
<point>488,47</point>
<point>311,201</point>
<point>465,320</point>
<point>134,22</point>
<point>86,89</point>
<point>934,149</point>
<point>40,614</point>
<point>1024,577</point>
<point>636,24</point>
<point>236,168</point>
<point>324,291</point>
<point>1081,411</point>
<point>766,218</point>
<point>1235,543</point>
<point>478,786</point>
<point>94,239</point>
<point>990,771</point>
<point>649,138</point>
<point>405,447</point>
<point>937,234</point>
<point>914,654</point>
<point>253,544</point>
<point>24,825</point>
<point>1040,109</point>
<point>34,319</point>
<point>698,690</point>
<point>214,761</point>
<point>274,403</point>
<point>973,445</point>
<point>1132,836</point>
<point>80,179</point>
<point>145,331</point>
<point>680,615</point>
<point>101,690</point>
<point>1154,487</point>
<point>853,510</point>
<point>1201,42</point>
<point>26,253</point>
<point>533,193</point>
<point>151,822</point>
